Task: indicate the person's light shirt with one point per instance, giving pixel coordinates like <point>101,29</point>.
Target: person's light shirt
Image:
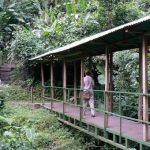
<point>88,83</point>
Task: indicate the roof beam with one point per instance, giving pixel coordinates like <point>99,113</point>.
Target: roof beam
<point>128,39</point>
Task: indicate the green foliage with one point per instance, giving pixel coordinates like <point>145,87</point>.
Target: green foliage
<point>127,12</point>
<point>2,94</point>
<point>35,129</point>
<point>101,79</point>
<point>115,13</point>
<point>2,98</point>
<point>10,19</point>
<point>126,72</point>
<point>25,46</point>
<point>14,93</point>
<point>126,79</point>
<point>83,4</point>
<point>1,3</point>
<point>20,76</point>
<point>63,27</point>
<point>24,10</point>
<point>6,29</point>
<point>3,122</point>
<point>30,134</point>
<point>99,64</point>
<point>51,24</point>
<point>145,5</point>
<point>61,17</point>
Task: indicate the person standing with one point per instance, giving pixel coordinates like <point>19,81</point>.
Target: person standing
<point>88,87</point>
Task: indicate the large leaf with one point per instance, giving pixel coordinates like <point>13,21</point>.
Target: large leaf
<point>30,133</point>
<point>100,68</point>
<point>5,121</point>
<point>8,134</point>
<point>1,3</point>
<point>101,79</point>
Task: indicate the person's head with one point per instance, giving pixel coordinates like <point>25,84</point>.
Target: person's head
<point>88,73</point>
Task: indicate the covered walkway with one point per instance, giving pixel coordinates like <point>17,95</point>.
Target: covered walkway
<point>115,128</point>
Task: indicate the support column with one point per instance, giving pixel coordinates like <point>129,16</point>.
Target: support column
<point>106,88</point>
<point>42,74</point>
<point>42,82</point>
<point>64,80</point>
<point>52,80</point>
<point>81,86</point>
<point>110,82</point>
<point>75,83</point>
<point>82,75</point>
<point>145,87</point>
<point>140,103</point>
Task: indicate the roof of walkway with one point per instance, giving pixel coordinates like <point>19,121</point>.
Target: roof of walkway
<point>127,36</point>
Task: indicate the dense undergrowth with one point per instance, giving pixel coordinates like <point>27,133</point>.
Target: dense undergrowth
<point>18,93</point>
<point>24,128</point>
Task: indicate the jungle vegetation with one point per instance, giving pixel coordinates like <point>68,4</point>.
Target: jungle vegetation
<point>32,27</point>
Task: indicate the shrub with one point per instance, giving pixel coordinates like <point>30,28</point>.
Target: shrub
<point>25,128</point>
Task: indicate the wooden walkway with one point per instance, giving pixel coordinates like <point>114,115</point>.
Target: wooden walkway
<point>129,128</point>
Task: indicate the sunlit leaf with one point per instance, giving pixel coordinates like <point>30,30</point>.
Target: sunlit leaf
<point>30,133</point>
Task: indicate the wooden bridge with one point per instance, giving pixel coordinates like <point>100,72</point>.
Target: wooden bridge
<point>121,131</point>
<point>113,123</point>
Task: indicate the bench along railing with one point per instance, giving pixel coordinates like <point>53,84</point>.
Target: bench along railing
<point>125,104</point>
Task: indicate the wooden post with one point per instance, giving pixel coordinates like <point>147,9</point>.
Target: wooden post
<point>110,82</point>
<point>82,74</point>
<point>42,74</point>
<point>145,87</point>
<point>81,87</point>
<point>140,103</point>
<point>52,83</point>
<point>64,80</point>
<point>52,79</point>
<point>42,80</point>
<point>32,98</point>
<point>75,83</point>
<point>106,88</point>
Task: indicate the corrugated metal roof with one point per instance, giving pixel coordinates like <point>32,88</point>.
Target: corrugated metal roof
<point>93,37</point>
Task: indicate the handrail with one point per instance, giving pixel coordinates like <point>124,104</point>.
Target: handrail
<point>117,92</point>
<point>102,101</point>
